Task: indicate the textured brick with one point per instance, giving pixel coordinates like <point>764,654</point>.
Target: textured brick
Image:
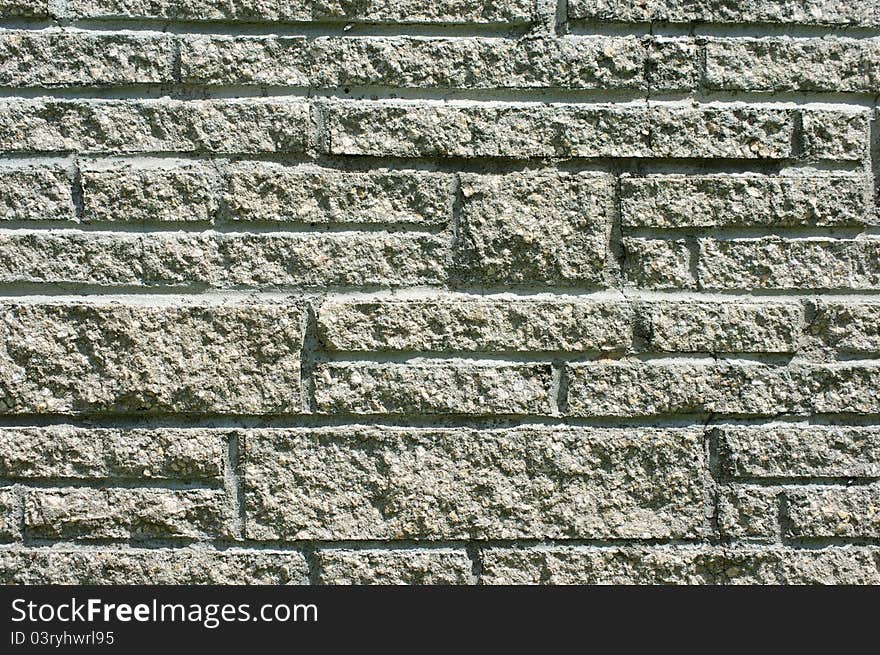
<point>748,512</point>
<point>720,326</point>
<point>777,263</point>
<point>527,228</point>
<point>82,358</point>
<point>657,263</point>
<point>440,566</point>
<point>680,201</point>
<point>9,520</point>
<point>809,12</point>
<point>460,324</point>
<point>766,64</point>
<point>407,11</point>
<point>446,484</point>
<point>834,512</point>
<point>65,451</point>
<point>813,451</point>
<point>478,389</point>
<point>681,565</point>
<point>24,8</point>
<point>78,58</point>
<point>36,194</point>
<point>222,260</point>
<point>423,130</point>
<point>265,192</point>
<point>111,126</point>
<point>847,326</point>
<point>130,194</point>
<point>569,62</point>
<point>135,514</point>
<point>151,566</point>
<point>835,135</point>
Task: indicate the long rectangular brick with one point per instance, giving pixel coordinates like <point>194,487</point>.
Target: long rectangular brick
<point>130,513</point>
<point>778,263</point>
<point>397,483</point>
<point>680,565</point>
<point>435,566</point>
<point>834,512</point>
<point>848,327</point>
<point>813,451</point>
<point>434,130</point>
<point>720,326</point>
<point>460,388</point>
<point>507,236</point>
<point>65,451</point>
<point>9,519</point>
<point>222,260</point>
<point>597,62</point>
<point>392,11</point>
<point>36,193</point>
<point>67,57</point>
<point>454,323</point>
<point>182,566</point>
<point>682,201</point>
<point>134,126</point>
<point>808,12</point>
<point>77,358</point>
<point>765,64</point>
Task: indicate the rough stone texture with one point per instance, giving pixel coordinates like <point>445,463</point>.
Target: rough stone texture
<point>720,327</point>
<point>813,451</point>
<point>458,291</point>
<point>36,194</point>
<point>404,11</point>
<point>600,62</point>
<point>134,514</point>
<point>455,484</point>
<point>848,327</point>
<point>657,263</point>
<point>135,126</point>
<point>477,389</point>
<point>682,565</point>
<point>778,263</point>
<point>765,64</point>
<point>84,358</point>
<point>68,57</point>
<point>9,523</point>
<point>835,512</point>
<point>423,567</point>
<point>748,513</point>
<point>835,134</point>
<point>682,201</point>
<point>527,228</point>
<point>455,323</point>
<point>646,389</point>
<point>222,260</point>
<point>423,130</point>
<point>151,566</point>
<point>808,12</point>
<point>65,451</point>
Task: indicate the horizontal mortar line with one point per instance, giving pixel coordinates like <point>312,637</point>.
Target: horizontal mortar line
<point>745,29</point>
<point>97,420</point>
<point>66,482</point>
<point>730,232</point>
<point>816,543</point>
<point>561,357</point>
<point>251,27</point>
<point>219,227</point>
<point>634,97</point>
<point>786,483</point>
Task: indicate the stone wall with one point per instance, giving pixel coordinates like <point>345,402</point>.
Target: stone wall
<point>459,291</point>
